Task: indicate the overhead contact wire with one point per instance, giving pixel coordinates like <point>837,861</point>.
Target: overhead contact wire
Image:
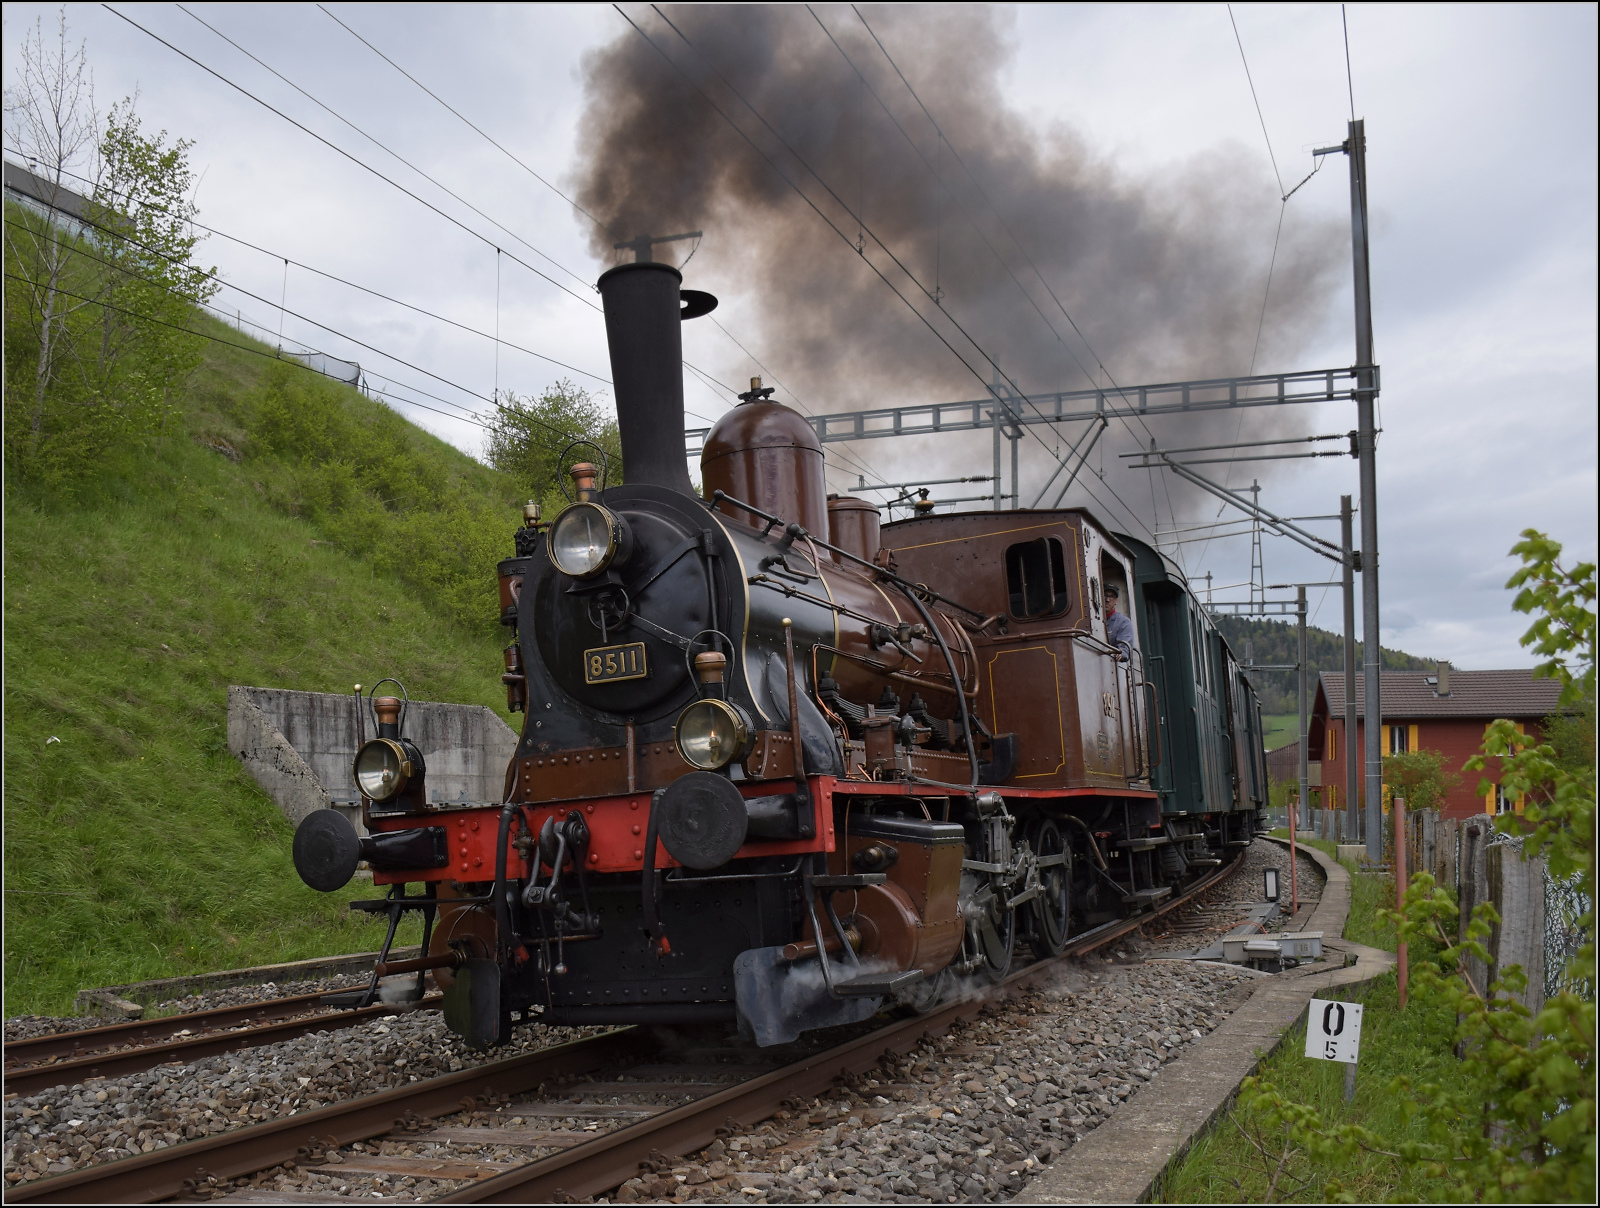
<point>300,264</point>
<point>889,58</point>
<point>531,172</point>
<point>836,229</point>
<point>383,147</point>
<point>271,356</point>
<point>467,121</point>
<point>332,146</point>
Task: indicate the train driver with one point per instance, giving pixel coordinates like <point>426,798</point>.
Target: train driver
<point>1119,629</point>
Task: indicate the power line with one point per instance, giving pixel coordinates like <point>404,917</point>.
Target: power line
<point>835,227</point>
<point>300,264</point>
<point>498,251</point>
<point>296,314</point>
<point>884,50</point>
<point>346,154</point>
<point>531,172</point>
<point>271,356</point>
<point>1036,272</point>
<point>1344,20</point>
<point>123,235</point>
<point>945,142</point>
<point>1272,262</point>
<point>465,120</point>
<point>915,280</point>
<point>382,147</point>
<point>1259,115</point>
<point>720,112</point>
<point>469,418</point>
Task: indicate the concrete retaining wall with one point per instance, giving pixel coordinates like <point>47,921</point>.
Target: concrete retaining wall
<point>299,747</point>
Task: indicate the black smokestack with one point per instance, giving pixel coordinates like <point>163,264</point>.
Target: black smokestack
<point>725,117</point>
<point>645,334</point>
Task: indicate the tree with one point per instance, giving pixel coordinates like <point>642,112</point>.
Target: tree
<point>51,122</point>
<point>149,289</point>
<point>1419,778</point>
<point>528,436</point>
<point>103,288</point>
<point>1521,1124</point>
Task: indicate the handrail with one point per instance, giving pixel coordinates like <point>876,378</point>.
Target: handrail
<point>1153,725</point>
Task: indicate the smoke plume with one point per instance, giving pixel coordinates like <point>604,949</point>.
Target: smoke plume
<point>1163,276</point>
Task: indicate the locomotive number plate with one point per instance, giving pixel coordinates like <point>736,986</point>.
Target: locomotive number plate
<point>603,664</point>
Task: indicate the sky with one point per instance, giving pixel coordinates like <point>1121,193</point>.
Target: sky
<point>1481,127</point>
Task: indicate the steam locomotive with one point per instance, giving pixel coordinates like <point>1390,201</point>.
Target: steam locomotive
<point>784,766</point>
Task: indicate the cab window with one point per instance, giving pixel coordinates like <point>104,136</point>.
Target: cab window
<point>1036,574</point>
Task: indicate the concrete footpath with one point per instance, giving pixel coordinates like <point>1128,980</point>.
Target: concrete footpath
<point>1123,1160</point>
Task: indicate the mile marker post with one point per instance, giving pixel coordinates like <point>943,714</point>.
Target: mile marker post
<point>1333,1033</point>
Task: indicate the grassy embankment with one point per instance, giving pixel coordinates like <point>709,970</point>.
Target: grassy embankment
<point>1279,729</point>
<point>343,545</point>
<point>1369,894</point>
<point>1234,1163</point>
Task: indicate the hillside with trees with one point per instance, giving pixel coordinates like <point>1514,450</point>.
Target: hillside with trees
<point>1278,643</point>
<point>187,508</point>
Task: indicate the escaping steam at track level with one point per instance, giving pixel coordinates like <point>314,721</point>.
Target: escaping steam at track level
<point>1164,275</point>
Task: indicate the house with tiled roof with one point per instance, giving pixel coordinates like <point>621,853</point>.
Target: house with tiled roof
<point>1444,711</point>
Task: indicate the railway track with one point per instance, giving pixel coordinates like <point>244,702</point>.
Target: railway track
<point>41,1062</point>
<point>586,1162</point>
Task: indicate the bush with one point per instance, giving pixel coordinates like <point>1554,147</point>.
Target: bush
<point>1516,1121</point>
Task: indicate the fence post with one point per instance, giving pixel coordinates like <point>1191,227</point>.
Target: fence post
<point>1448,844</point>
<point>1516,887</point>
<point>1472,879</point>
<point>1430,836</point>
<point>1294,868</point>
<point>1400,878</point>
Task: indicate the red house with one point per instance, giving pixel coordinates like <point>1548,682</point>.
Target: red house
<point>1444,712</point>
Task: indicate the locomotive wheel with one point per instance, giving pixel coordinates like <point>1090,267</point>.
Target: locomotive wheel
<point>1050,914</point>
<point>926,994</point>
<point>998,942</point>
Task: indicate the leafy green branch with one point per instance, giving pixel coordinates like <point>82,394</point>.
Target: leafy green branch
<point>1519,1122</point>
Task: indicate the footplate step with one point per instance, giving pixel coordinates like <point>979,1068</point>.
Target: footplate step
<point>873,985</point>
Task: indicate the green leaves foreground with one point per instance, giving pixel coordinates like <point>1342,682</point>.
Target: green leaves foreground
<point>1519,1123</point>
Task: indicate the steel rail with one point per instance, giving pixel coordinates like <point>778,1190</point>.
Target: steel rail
<point>31,1078</point>
<point>91,1040</point>
<point>604,1163</point>
<point>161,1175</point>
<point>589,1168</point>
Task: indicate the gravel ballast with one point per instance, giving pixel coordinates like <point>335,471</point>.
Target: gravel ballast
<point>64,1128</point>
<point>967,1117</point>
<point>1215,912</point>
<point>25,1027</point>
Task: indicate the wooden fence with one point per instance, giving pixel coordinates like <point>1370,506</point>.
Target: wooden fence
<point>1481,865</point>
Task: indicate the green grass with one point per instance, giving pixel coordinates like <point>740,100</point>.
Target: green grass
<point>1224,1166</point>
<point>1279,729</point>
<point>135,844</point>
<point>1369,893</point>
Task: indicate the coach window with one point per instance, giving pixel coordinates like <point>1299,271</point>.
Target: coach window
<point>1036,574</point>
<point>1199,649</point>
